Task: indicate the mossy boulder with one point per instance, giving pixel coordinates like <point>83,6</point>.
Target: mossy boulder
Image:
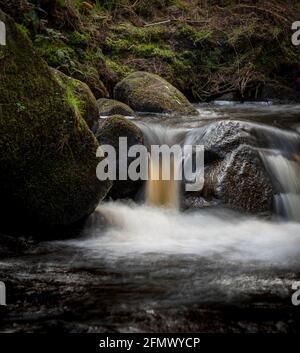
<point>108,107</point>
<point>47,152</point>
<point>109,132</point>
<point>83,98</point>
<point>146,92</point>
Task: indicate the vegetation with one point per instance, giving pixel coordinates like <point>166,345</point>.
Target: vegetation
<point>205,49</point>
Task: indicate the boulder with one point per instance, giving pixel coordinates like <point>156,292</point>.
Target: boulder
<point>109,107</point>
<point>145,92</point>
<point>109,131</point>
<point>234,173</point>
<point>93,81</point>
<point>86,102</point>
<point>222,137</point>
<point>47,152</point>
<point>242,182</point>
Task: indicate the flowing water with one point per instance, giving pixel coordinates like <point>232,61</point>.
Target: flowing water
<point>163,189</point>
<point>139,267</point>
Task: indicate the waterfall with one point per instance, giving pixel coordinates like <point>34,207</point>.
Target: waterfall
<point>286,172</point>
<point>279,150</point>
<point>282,162</point>
<point>162,192</point>
<point>160,189</point>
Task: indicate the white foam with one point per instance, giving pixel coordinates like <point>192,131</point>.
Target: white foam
<point>137,230</point>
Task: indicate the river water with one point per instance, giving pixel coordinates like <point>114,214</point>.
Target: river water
<point>137,268</point>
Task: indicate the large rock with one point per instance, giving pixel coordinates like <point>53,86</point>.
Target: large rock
<point>234,173</point>
<point>109,132</point>
<point>242,182</point>
<point>83,98</point>
<point>108,107</point>
<point>47,152</point>
<point>222,137</point>
<point>145,92</point>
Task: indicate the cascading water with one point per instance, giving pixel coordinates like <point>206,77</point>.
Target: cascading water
<point>286,172</point>
<point>281,159</point>
<point>162,191</point>
<point>278,148</point>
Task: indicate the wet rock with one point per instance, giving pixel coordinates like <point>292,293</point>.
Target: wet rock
<point>243,183</point>
<point>47,152</point>
<point>234,173</point>
<point>145,92</point>
<point>222,137</point>
<point>109,107</point>
<point>86,102</point>
<point>109,132</point>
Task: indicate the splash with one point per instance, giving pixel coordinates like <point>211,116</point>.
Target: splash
<point>136,230</point>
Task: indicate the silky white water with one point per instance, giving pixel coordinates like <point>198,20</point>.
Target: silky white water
<point>135,230</point>
<point>287,175</point>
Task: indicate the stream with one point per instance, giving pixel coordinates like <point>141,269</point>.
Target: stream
<point>150,269</point>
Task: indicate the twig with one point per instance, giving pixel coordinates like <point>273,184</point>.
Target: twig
<point>174,20</point>
<point>157,23</point>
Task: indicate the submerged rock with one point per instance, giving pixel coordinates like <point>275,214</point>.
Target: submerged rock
<point>109,107</point>
<point>47,152</point>
<point>145,92</point>
<point>82,96</point>
<point>109,132</point>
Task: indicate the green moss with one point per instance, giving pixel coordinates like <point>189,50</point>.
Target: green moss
<point>141,41</point>
<point>25,31</point>
<point>55,51</point>
<point>72,99</point>
<point>78,39</point>
<point>121,70</point>
<point>140,34</point>
<point>195,36</point>
<point>20,107</point>
<point>117,46</point>
<point>153,50</point>
<point>48,162</point>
